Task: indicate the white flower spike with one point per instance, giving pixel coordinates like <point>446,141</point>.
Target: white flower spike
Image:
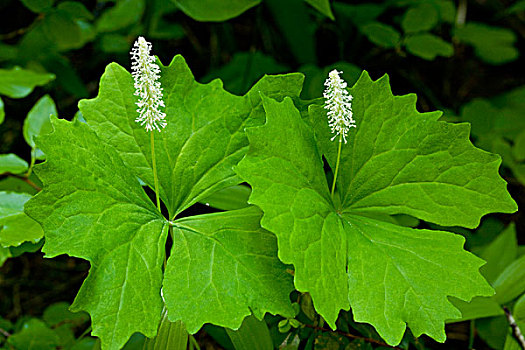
<point>339,105</point>
<point>147,87</point>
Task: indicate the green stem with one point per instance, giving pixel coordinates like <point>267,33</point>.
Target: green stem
<point>472,334</point>
<point>337,163</point>
<point>155,170</point>
<point>194,343</point>
<point>33,159</point>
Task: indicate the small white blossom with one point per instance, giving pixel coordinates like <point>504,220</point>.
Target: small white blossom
<point>147,87</point>
<point>339,105</point>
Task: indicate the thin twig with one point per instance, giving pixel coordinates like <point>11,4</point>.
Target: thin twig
<point>352,336</point>
<point>20,31</point>
<point>516,331</point>
<point>25,179</point>
<point>5,333</point>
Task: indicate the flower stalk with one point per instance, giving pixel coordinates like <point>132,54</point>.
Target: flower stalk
<point>339,105</point>
<point>148,89</point>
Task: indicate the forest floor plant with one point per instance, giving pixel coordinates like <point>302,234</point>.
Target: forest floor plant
<point>344,248</point>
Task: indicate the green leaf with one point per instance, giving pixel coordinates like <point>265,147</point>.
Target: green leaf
<point>428,46</point>
<point>5,253</point>
<point>358,14</point>
<point>15,226</point>
<point>398,267</point>
<point>381,34</point>
<point>518,6</point>
<point>518,150</point>
<point>35,335</point>
<point>422,17</point>
<point>233,264</point>
<point>38,6</point>
<point>76,10</point>
<point>38,120</point>
<point>252,335</point>
<point>499,253</point>
<point>493,45</point>
<point>122,15</point>
<point>479,307</point>
<point>59,313</point>
<point>493,331</point>
<point>519,309</point>
<point>204,137</point>
<point>67,77</point>
<point>518,313</point>
<point>11,163</point>
<point>92,207</point>
<point>231,198</point>
<point>401,161</point>
<point>114,43</point>
<point>8,52</point>
<point>322,6</point>
<point>60,27</point>
<point>17,82</point>
<point>15,184</point>
<point>511,282</point>
<point>2,112</point>
<point>397,161</point>
<point>244,69</point>
<point>296,27</point>
<point>92,194</point>
<point>214,10</point>
<point>171,335</point>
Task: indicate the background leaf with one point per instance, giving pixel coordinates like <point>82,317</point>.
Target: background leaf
<point>381,34</point>
<point>17,82</point>
<point>2,112</point>
<point>123,14</point>
<point>420,18</point>
<point>428,46</point>
<point>38,5</point>
<point>252,335</point>
<point>214,10</point>
<point>35,335</point>
<point>322,6</point>
<point>11,163</point>
<point>15,226</point>
<point>38,120</point>
<point>492,44</point>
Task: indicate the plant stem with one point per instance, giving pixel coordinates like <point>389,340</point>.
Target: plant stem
<point>154,164</point>
<point>32,164</point>
<point>25,179</point>
<point>472,334</point>
<point>461,13</point>
<point>516,331</point>
<point>337,164</point>
<point>194,343</point>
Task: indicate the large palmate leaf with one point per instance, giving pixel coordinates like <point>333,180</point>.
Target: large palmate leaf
<point>204,137</point>
<point>220,264</point>
<point>89,203</point>
<point>93,207</point>
<point>397,161</point>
